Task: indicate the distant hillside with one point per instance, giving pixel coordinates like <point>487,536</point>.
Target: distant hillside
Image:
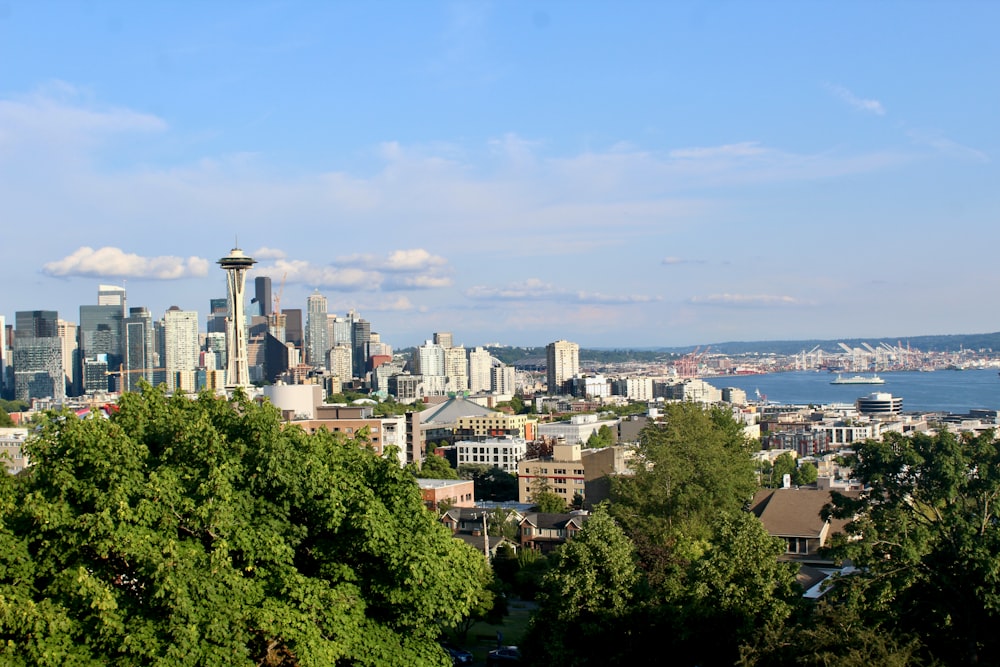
<point>535,356</point>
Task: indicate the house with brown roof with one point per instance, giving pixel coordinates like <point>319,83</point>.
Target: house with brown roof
<point>544,532</point>
<point>794,515</point>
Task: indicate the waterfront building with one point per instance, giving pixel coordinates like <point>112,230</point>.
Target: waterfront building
<point>562,361</point>
<point>38,356</point>
<point>879,403</point>
<point>633,388</point>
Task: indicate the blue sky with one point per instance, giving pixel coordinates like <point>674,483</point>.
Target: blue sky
<point>617,174</point>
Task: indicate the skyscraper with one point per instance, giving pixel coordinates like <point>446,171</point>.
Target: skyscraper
<point>316,330</point>
<point>361,334</point>
<point>111,295</point>
<point>38,367</point>
<point>293,326</point>
<point>139,347</point>
<point>444,339</point>
<point>236,264</point>
<point>562,361</point>
<point>261,296</point>
<point>218,311</point>
<point>101,335</point>
<point>180,348</point>
<point>456,368</point>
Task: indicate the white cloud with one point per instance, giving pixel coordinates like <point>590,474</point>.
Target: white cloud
<point>671,261</point>
<point>425,281</point>
<point>845,95</point>
<point>947,146</point>
<point>740,150</point>
<point>268,253</point>
<point>303,272</point>
<point>534,289</point>
<point>401,261</point>
<point>110,262</point>
<point>747,300</point>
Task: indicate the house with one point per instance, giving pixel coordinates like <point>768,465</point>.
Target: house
<point>468,524</point>
<point>544,532</point>
<point>793,514</point>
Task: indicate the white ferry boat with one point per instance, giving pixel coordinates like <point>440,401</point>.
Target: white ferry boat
<point>858,379</point>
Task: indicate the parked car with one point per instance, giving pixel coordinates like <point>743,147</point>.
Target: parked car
<point>459,656</point>
<point>505,655</point>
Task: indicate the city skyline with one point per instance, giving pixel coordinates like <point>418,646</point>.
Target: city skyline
<point>628,175</point>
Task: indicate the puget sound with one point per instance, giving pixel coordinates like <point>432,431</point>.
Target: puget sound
<point>955,391</point>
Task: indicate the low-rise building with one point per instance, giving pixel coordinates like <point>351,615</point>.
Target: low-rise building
<point>453,492</point>
<point>11,449</point>
<point>502,453</point>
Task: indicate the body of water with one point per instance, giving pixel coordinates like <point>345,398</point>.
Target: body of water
<point>937,391</point>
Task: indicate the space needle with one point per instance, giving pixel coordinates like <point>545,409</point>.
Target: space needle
<point>236,264</point>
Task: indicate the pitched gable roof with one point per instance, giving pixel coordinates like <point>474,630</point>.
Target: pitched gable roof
<point>793,512</point>
<point>449,411</point>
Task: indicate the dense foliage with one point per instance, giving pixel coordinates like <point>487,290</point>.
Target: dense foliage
<point>926,541</point>
<point>200,532</point>
<point>697,576</point>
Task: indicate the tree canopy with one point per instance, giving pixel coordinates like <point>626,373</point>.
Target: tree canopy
<point>200,532</point>
<point>925,539</point>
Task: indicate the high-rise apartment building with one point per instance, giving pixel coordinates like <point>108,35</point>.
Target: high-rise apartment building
<point>480,363</point>
<point>317,342</point>
<point>139,346</point>
<point>340,359</point>
<point>503,380</point>
<point>38,367</point>
<point>456,368</point>
<point>430,359</point>
<point>180,348</point>
<point>562,361</point>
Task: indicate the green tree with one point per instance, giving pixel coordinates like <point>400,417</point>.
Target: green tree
<point>5,420</point>
<point>689,469</point>
<point>549,502</point>
<point>490,482</point>
<point>925,538</point>
<point>434,467</point>
<point>783,465</point>
<point>199,531</point>
<point>586,592</point>
<point>602,437</point>
<point>805,474</point>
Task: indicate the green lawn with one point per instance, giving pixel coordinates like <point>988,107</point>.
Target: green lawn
<point>482,637</point>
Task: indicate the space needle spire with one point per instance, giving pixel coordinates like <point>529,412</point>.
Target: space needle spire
<point>236,264</point>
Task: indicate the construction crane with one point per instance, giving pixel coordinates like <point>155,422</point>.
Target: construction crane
<point>687,366</point>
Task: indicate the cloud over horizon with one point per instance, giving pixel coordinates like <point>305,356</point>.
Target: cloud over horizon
<point>534,289</point>
<point>867,105</point>
<point>111,262</point>
<point>747,300</point>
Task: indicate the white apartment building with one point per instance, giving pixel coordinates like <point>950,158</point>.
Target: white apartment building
<point>480,368</point>
<point>456,368</point>
<point>577,430</point>
<point>562,361</point>
<point>181,348</point>
<point>502,453</point>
